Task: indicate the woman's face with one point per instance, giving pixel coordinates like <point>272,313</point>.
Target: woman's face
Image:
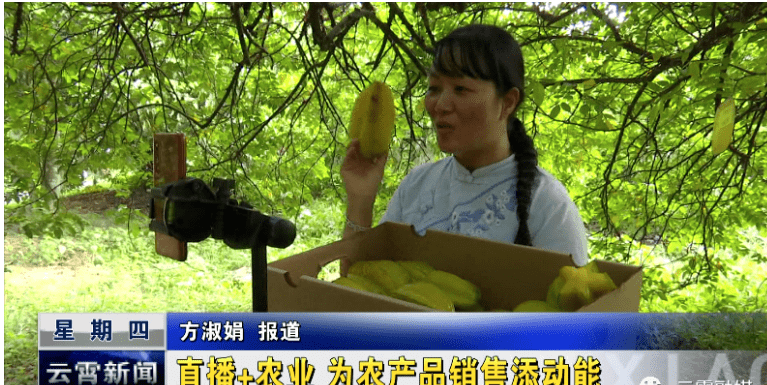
<point>470,119</point>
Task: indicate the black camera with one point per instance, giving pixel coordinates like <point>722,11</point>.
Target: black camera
<point>191,211</point>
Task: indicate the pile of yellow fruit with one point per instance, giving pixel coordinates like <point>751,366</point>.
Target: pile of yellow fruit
<point>415,282</point>
<point>420,283</point>
<point>574,288</point>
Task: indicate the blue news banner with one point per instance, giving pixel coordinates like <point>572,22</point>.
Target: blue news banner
<point>381,349</point>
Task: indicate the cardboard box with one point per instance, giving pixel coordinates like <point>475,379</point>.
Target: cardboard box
<point>506,274</point>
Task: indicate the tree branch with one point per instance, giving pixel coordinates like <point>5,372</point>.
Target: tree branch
<point>229,89</point>
<point>571,82</point>
<point>418,39</point>
<point>346,23</point>
<point>394,38</point>
<point>561,37</point>
<point>326,41</point>
<point>628,45</point>
<point>235,8</point>
<point>723,73</point>
<point>314,19</point>
<point>421,9</point>
<point>120,19</point>
<point>551,19</point>
<point>16,29</point>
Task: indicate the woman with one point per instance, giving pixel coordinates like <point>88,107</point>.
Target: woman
<point>492,186</point>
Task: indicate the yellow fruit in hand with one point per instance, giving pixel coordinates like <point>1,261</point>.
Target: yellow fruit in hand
<point>372,119</point>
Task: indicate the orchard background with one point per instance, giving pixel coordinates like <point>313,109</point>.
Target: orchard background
<point>621,103</point>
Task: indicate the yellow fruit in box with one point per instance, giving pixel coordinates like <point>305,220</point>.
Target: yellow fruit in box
<point>600,283</point>
<point>552,297</point>
<point>368,284</point>
<point>426,294</point>
<point>372,119</point>
<point>575,292</point>
<point>360,283</point>
<point>415,281</point>
<point>387,274</point>
<point>592,267</point>
<point>535,306</point>
<point>418,269</point>
<point>576,287</point>
<point>344,281</point>
<point>463,293</point>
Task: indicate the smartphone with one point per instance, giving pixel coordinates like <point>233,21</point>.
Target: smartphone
<point>169,166</point>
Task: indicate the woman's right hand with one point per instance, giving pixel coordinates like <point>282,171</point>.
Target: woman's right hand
<point>361,175</point>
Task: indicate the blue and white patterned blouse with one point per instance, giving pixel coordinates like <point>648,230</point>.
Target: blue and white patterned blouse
<point>445,196</point>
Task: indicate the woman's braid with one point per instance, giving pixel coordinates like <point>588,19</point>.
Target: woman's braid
<point>527,168</point>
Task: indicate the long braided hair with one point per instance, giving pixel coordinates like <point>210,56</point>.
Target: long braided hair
<point>490,53</point>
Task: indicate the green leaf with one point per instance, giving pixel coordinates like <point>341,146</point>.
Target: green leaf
<point>555,112</point>
<point>321,170</point>
<point>135,229</point>
<point>28,231</point>
<point>539,93</point>
<point>694,69</point>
